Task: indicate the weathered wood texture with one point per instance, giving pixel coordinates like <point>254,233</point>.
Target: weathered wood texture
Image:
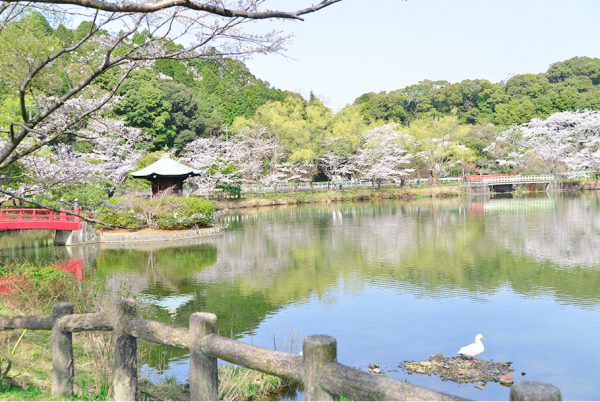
<point>124,353</point>
<point>281,364</point>
<point>358,385</point>
<point>157,332</point>
<point>203,371</point>
<point>317,352</point>
<point>62,354</point>
<point>23,322</point>
<point>85,322</point>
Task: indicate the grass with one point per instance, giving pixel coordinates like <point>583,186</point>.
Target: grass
<point>16,393</point>
<point>362,194</point>
<point>241,384</point>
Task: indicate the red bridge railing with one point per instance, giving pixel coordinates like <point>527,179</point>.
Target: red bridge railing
<point>35,218</point>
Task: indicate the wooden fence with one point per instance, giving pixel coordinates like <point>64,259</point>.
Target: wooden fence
<point>323,377</point>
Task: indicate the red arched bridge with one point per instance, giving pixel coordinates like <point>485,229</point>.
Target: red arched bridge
<point>34,218</point>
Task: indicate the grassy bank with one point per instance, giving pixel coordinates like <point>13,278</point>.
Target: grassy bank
<point>362,194</point>
<point>33,292</point>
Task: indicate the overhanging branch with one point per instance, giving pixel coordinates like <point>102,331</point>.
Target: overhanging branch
<point>150,7</point>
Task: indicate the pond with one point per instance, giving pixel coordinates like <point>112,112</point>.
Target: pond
<point>392,281</point>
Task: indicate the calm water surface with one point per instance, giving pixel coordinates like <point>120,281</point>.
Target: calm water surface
<point>391,281</point>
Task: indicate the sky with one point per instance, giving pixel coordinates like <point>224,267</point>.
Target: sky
<point>359,46</point>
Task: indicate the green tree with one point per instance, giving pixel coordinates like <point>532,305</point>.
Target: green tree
<point>518,110</point>
<point>299,126</point>
<point>145,105</point>
<point>438,145</point>
<point>185,117</point>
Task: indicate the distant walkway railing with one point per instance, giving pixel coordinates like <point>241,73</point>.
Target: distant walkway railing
<point>342,185</point>
<point>512,179</point>
<point>323,377</point>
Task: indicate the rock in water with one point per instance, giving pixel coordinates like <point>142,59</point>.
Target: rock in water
<point>460,370</point>
<point>374,368</point>
<point>507,379</point>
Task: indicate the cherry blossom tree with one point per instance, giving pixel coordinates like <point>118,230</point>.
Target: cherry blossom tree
<point>216,159</point>
<point>335,166</point>
<point>258,153</point>
<point>121,36</point>
<point>565,141</point>
<point>296,172</point>
<point>381,157</point>
<point>107,153</point>
<point>248,158</point>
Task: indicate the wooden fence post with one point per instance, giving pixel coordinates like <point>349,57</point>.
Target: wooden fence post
<point>62,354</point>
<point>317,351</point>
<point>125,353</point>
<point>534,391</point>
<point>204,379</point>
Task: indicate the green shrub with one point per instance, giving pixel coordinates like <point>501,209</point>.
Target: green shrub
<point>169,212</point>
<point>185,212</point>
<point>118,216</point>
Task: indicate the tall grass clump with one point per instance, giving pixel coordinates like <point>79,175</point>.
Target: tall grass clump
<point>35,289</point>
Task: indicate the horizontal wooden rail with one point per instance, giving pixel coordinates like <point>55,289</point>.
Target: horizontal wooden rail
<point>281,364</point>
<point>29,322</point>
<point>156,332</point>
<point>84,322</point>
<point>20,214</point>
<point>360,386</point>
<point>323,377</point>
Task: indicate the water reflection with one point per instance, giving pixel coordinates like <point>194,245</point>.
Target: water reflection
<point>506,264</point>
<point>289,254</point>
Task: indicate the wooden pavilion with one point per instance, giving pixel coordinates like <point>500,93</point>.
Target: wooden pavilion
<point>166,175</point>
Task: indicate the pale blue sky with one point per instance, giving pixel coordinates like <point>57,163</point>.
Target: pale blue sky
<point>358,46</point>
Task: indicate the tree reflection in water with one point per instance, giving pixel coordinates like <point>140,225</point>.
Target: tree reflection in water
<point>272,258</point>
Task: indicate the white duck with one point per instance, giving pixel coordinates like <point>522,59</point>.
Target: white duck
<point>473,349</point>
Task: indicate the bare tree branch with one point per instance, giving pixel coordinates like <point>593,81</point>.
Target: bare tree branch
<point>57,132</point>
<point>45,62</point>
<point>150,7</point>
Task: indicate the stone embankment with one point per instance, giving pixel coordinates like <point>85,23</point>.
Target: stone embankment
<point>577,185</point>
<point>144,236</point>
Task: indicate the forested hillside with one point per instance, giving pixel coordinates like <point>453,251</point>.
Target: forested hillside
<point>211,112</point>
<point>568,85</point>
<point>172,101</point>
